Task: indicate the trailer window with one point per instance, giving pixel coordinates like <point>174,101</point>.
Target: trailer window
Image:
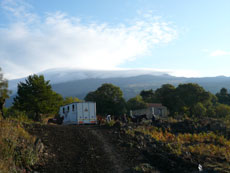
<point>68,108</point>
<point>63,110</point>
<point>72,107</point>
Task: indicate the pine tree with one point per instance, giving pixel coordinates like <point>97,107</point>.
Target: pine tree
<point>36,96</point>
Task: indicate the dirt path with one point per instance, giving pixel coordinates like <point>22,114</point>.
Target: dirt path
<point>95,149</point>
<point>77,149</point>
<point>116,158</point>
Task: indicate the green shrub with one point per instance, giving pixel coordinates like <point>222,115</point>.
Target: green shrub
<point>111,123</point>
<point>222,110</point>
<point>16,147</point>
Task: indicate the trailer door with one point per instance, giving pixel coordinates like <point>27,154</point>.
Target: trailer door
<point>92,113</point>
<point>86,114</point>
<point>80,113</point>
<point>72,113</point>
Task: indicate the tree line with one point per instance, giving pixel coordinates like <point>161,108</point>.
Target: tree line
<point>188,99</point>
<point>36,98</point>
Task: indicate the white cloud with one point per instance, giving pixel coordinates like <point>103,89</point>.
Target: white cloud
<point>29,44</point>
<point>176,72</point>
<point>185,73</point>
<point>219,53</point>
<point>19,10</point>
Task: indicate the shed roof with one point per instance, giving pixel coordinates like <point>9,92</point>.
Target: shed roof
<point>155,105</point>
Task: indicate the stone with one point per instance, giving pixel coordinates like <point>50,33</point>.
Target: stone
<point>38,145</point>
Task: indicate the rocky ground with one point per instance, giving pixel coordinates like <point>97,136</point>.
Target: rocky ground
<point>90,148</point>
<point>81,149</point>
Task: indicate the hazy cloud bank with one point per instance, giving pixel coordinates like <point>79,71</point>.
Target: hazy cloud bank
<point>30,44</point>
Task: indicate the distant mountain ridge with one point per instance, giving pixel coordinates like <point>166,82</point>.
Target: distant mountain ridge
<point>79,82</point>
<point>131,86</point>
<point>61,75</point>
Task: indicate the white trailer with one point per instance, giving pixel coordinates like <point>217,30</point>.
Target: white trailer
<point>79,113</point>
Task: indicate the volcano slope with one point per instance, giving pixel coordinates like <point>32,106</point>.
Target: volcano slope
<point>120,148</point>
<point>74,148</point>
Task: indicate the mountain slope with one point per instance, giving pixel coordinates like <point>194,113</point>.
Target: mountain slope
<point>132,86</point>
<point>79,82</point>
<point>65,75</point>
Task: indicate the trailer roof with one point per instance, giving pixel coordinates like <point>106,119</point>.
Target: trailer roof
<point>77,102</point>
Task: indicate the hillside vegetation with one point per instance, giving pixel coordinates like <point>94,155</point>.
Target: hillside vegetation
<point>130,85</point>
<point>197,130</point>
<point>17,150</point>
<point>165,148</point>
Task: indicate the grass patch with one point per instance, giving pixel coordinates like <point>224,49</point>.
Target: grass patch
<point>110,123</point>
<point>16,147</point>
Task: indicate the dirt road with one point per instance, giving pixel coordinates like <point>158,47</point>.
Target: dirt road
<point>80,149</point>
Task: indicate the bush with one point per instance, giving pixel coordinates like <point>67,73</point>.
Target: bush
<point>14,113</point>
<point>16,147</point>
<point>199,110</point>
<point>111,123</point>
<point>222,110</point>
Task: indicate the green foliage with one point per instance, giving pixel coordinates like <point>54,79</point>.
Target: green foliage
<point>69,100</point>
<point>222,110</point>
<point>15,114</point>
<point>111,123</point>
<point>136,103</point>
<point>148,96</point>
<point>109,100</point>
<point>190,94</point>
<point>223,96</point>
<point>4,92</point>
<point>199,110</point>
<point>166,95</point>
<point>16,147</point>
<point>91,96</point>
<point>190,99</point>
<point>36,96</point>
<point>211,111</point>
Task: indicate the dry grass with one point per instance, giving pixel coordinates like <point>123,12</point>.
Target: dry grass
<point>16,147</point>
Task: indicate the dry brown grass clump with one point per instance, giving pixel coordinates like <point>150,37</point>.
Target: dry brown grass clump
<point>16,147</point>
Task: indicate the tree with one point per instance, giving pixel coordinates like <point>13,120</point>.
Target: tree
<point>222,110</point>
<point>91,96</point>
<point>136,103</point>
<point>199,110</point>
<point>4,92</point>
<point>109,99</point>
<point>166,95</point>
<point>36,96</point>
<point>148,96</point>
<point>223,96</point>
<point>69,100</point>
<point>186,99</point>
<point>192,95</point>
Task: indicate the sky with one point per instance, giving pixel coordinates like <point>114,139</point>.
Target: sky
<point>183,38</point>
